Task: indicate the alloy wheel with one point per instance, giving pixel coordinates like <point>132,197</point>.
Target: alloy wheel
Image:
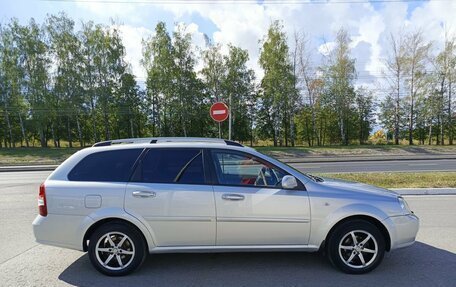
<point>115,250</point>
<point>358,249</point>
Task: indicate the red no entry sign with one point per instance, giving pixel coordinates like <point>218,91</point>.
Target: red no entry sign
<point>219,112</point>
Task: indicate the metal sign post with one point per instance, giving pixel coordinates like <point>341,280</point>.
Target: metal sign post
<point>219,112</point>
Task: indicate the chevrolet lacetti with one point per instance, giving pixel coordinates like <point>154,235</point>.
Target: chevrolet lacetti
<point>120,200</point>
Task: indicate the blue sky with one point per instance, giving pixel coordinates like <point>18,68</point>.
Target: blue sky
<point>369,24</point>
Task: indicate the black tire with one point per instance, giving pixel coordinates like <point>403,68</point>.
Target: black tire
<point>341,257</point>
<point>134,245</point>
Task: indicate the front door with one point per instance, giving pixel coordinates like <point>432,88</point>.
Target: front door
<point>169,191</point>
<point>251,206</point>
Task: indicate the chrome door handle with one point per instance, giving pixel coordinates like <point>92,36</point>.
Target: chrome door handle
<point>143,194</point>
<point>232,196</point>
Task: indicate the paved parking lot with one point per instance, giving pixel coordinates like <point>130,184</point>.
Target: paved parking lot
<point>430,262</point>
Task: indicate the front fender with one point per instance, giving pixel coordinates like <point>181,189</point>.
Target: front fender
<point>321,224</point>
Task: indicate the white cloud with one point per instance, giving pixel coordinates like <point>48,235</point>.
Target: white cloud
<point>326,48</point>
<point>132,37</point>
<point>245,25</point>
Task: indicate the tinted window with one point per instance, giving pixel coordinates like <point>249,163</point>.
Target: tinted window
<point>242,169</point>
<point>173,166</point>
<point>113,165</point>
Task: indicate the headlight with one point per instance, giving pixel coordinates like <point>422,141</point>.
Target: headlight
<point>404,205</point>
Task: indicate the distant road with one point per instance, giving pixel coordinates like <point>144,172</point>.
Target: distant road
<point>325,167</point>
<point>378,166</point>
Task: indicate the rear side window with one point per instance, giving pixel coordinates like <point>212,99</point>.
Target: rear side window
<point>183,166</point>
<point>113,166</point>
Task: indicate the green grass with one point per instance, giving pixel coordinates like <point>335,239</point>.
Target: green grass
<point>32,156</point>
<point>36,155</point>
<point>400,179</point>
<point>359,150</point>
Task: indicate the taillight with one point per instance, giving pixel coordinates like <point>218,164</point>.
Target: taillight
<point>42,208</point>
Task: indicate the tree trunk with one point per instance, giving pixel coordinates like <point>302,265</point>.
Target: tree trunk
<point>79,132</point>
<point>292,129</point>
<point>276,132</point>
<point>314,127</point>
<point>411,121</point>
<point>94,120</point>
<point>10,132</point>
<point>53,135</point>
<point>106,124</point>
<point>286,121</point>
<point>438,131</point>
<point>43,140</point>
<point>450,115</point>
<point>361,136</point>
<point>430,132</point>
<point>396,113</point>
<point>131,128</point>
<point>308,132</point>
<point>342,130</point>
<point>23,130</point>
<point>70,138</point>
<point>441,111</point>
<point>274,137</point>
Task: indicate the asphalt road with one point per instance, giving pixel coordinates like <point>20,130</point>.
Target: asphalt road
<point>430,262</point>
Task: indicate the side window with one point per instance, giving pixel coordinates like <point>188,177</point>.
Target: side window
<point>183,166</point>
<point>112,165</point>
<point>242,169</point>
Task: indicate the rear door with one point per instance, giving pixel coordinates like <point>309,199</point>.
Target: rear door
<point>252,208</point>
<point>169,190</point>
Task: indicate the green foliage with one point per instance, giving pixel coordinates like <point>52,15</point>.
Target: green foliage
<point>278,86</point>
<point>61,86</point>
<point>420,105</point>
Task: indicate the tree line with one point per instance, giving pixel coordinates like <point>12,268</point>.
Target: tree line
<point>60,85</point>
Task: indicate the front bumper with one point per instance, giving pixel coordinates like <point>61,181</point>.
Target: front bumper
<point>402,229</point>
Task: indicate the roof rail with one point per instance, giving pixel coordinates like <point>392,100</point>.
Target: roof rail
<point>167,139</point>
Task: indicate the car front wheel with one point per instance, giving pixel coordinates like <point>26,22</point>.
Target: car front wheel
<point>116,249</point>
<point>356,247</point>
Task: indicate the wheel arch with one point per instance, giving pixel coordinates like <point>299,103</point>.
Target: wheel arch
<point>382,228</point>
<point>103,221</point>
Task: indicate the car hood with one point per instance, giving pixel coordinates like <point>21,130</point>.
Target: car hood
<point>357,187</point>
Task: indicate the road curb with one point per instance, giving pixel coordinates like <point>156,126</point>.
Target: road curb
<point>425,191</point>
<point>28,168</point>
<point>361,159</point>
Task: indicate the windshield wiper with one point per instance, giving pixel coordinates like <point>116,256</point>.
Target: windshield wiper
<point>314,177</point>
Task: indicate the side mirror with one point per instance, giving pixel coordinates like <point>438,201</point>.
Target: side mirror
<point>289,182</point>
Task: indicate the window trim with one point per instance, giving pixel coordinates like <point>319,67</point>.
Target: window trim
<point>136,174</point>
<point>215,181</point>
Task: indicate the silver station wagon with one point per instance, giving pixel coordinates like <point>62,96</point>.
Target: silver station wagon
<point>120,200</point>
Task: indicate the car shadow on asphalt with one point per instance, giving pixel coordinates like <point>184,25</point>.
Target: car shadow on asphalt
<point>419,265</point>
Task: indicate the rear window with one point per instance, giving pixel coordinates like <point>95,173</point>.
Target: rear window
<point>113,166</point>
<point>184,166</point>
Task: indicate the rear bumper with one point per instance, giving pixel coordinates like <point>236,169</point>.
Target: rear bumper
<point>60,230</point>
<point>402,229</point>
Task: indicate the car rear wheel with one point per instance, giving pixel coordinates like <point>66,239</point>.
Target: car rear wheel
<point>116,249</point>
<point>356,247</point>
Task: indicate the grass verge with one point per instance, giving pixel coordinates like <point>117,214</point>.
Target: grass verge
<point>34,156</point>
<point>357,150</point>
<point>400,179</point>
<point>37,155</point>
